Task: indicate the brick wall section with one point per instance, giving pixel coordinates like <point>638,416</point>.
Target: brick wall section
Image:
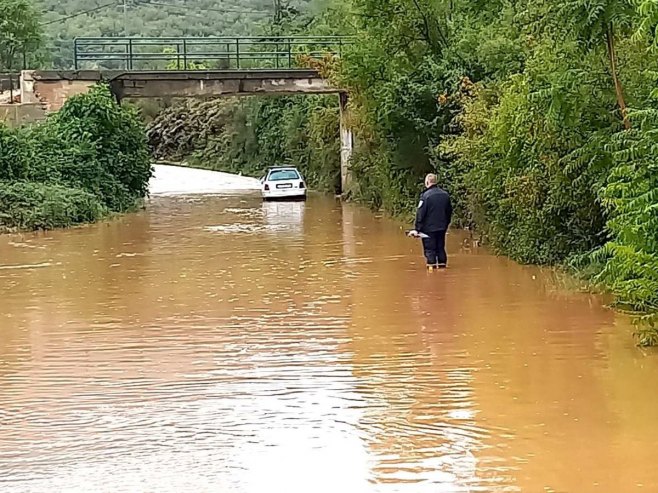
<point>53,94</point>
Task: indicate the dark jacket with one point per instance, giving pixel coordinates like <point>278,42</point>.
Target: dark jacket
<point>434,210</point>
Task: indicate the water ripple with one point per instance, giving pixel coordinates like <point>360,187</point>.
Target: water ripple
<point>153,356</point>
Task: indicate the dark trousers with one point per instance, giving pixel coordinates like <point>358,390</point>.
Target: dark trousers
<point>435,248</point>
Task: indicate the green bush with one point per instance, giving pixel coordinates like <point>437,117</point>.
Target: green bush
<point>512,158</point>
<point>91,148</point>
<point>32,206</point>
<point>113,138</point>
<point>628,263</point>
<point>13,154</point>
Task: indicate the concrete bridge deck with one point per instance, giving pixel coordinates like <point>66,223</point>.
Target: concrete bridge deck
<point>53,87</point>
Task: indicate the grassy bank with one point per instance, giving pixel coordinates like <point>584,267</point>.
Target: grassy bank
<point>86,161</point>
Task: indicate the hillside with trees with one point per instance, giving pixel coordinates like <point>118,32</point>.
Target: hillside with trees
<point>64,20</point>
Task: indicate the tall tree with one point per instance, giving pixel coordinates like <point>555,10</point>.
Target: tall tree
<point>598,23</point>
<point>20,33</point>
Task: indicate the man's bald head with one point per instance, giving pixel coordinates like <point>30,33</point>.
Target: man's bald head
<point>430,180</point>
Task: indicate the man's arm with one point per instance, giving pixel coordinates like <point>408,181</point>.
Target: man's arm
<point>449,211</point>
<point>420,215</point>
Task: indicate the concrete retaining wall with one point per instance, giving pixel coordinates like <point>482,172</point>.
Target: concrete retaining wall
<point>18,114</point>
<point>51,94</point>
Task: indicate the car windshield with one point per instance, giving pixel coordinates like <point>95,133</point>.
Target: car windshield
<point>283,174</point>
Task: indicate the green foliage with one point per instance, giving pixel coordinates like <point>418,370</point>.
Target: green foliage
<point>180,65</point>
<point>648,11</point>
<point>589,21</point>
<point>116,139</point>
<point>32,206</point>
<point>13,160</point>
<point>532,152</point>
<point>247,136</point>
<point>20,32</point>
<point>145,18</point>
<point>395,73</point>
<point>629,262</point>
<point>514,152</point>
<point>92,149</point>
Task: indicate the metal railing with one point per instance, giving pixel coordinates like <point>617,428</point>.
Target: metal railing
<point>221,53</point>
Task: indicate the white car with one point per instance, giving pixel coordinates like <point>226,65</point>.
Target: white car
<point>283,183</point>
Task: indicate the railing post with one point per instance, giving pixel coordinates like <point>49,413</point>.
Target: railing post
<point>130,53</point>
<point>289,53</point>
<point>237,52</point>
<point>276,54</point>
<point>177,56</point>
<point>75,53</point>
<point>184,54</point>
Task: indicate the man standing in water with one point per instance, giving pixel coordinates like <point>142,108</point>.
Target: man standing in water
<point>432,220</point>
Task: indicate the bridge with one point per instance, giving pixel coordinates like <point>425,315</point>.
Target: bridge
<point>190,67</point>
<point>196,67</point>
<point>225,53</point>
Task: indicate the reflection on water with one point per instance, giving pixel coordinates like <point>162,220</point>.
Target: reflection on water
<point>273,217</point>
<point>225,344</point>
<point>284,216</point>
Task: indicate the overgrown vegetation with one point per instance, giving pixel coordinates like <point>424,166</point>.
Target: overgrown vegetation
<point>89,159</point>
<point>249,135</point>
<point>539,117</point>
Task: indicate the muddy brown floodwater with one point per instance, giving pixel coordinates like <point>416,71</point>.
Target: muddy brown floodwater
<point>222,344</point>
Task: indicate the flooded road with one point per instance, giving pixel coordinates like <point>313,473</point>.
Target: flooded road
<point>222,344</point>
